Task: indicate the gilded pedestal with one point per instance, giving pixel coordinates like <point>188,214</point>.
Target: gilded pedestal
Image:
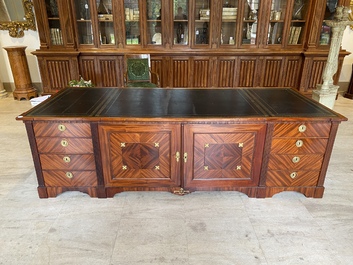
<point>19,67</point>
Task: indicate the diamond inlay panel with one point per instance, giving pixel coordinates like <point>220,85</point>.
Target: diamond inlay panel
<point>140,156</point>
<point>223,156</point>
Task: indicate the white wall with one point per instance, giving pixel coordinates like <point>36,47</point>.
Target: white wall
<point>347,44</point>
<point>31,40</point>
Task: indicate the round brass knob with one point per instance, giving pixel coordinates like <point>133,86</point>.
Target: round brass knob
<point>69,175</point>
<point>299,143</point>
<point>302,128</point>
<point>67,159</point>
<point>293,175</point>
<point>64,143</point>
<point>296,159</point>
<point>61,127</point>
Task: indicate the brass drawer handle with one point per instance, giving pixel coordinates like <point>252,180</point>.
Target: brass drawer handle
<point>299,143</point>
<point>302,128</point>
<point>64,143</point>
<point>69,175</point>
<point>296,159</point>
<point>61,127</point>
<point>293,175</point>
<point>67,159</point>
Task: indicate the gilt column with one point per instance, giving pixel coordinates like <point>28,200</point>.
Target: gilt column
<point>19,67</point>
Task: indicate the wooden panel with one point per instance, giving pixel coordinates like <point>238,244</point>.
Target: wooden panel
<point>292,130</point>
<point>317,69</point>
<point>246,72</point>
<point>59,73</point>
<point>157,67</point>
<point>288,146</point>
<point>283,178</point>
<point>139,155</point>
<point>74,145</point>
<point>79,179</point>
<point>222,156</point>
<point>226,72</point>
<point>291,74</point>
<point>180,72</point>
<point>201,72</point>
<point>306,162</point>
<point>108,72</point>
<point>77,162</point>
<point>88,69</point>
<point>70,129</point>
<point>272,73</point>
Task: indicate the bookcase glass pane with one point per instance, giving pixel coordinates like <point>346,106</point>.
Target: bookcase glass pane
<point>325,35</point>
<point>181,30</point>
<point>105,22</point>
<point>132,22</point>
<point>84,22</point>
<point>298,21</point>
<point>54,22</point>
<point>250,24</point>
<point>154,23</point>
<point>275,31</point>
<point>202,21</point>
<point>229,22</point>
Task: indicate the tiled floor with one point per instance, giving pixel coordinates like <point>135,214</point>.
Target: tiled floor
<point>160,228</point>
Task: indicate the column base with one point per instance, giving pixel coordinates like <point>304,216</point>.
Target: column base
<point>326,97</point>
<point>3,94</point>
<point>26,94</point>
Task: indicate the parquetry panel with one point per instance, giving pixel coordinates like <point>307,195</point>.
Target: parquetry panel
<point>223,155</point>
<point>140,155</point>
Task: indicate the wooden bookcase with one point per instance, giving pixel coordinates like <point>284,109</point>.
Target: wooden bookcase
<point>218,43</point>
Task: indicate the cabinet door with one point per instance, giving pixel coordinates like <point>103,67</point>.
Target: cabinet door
<point>181,22</point>
<point>202,26</point>
<point>229,29</point>
<point>84,22</point>
<point>132,22</point>
<point>222,156</point>
<point>140,155</point>
<point>154,25</point>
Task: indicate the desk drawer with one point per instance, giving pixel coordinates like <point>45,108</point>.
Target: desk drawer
<point>287,178</point>
<point>299,146</point>
<point>302,130</point>
<point>61,129</point>
<point>295,162</point>
<point>70,178</point>
<point>67,162</point>
<point>64,145</point>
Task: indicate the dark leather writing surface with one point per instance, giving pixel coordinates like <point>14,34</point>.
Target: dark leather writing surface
<point>149,102</point>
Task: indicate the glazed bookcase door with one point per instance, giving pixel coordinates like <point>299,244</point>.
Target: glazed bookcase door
<point>84,22</point>
<point>180,22</point>
<point>202,17</point>
<point>277,22</point>
<point>55,29</point>
<point>104,12</point>
<point>132,22</point>
<point>154,25</point>
<point>325,34</point>
<point>229,16</point>
<point>250,16</point>
<point>297,29</point>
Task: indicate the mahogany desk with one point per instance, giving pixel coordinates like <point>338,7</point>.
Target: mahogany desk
<point>102,141</point>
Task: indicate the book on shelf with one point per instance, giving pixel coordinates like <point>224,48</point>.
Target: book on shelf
<point>294,34</point>
<point>56,36</point>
